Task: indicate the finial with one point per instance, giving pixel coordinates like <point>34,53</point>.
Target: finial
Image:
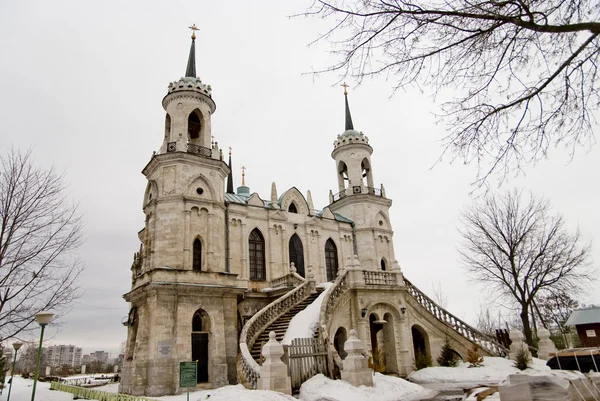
<point>345,85</point>
<point>230,151</point>
<point>212,139</point>
<point>243,176</point>
<point>194,29</point>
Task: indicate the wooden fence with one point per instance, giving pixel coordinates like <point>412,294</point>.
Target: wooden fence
<point>306,357</point>
<point>91,394</point>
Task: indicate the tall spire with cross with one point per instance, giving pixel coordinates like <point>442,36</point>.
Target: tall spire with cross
<point>230,175</point>
<point>191,65</point>
<point>349,125</point>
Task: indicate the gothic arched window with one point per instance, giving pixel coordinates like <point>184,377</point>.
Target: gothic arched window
<point>256,247</point>
<point>331,260</point>
<point>297,254</point>
<point>383,267</point>
<point>292,208</point>
<point>197,255</point>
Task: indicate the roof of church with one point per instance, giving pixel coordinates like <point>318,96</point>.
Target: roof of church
<point>242,199</point>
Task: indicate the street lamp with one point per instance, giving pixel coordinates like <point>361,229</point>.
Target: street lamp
<point>16,346</point>
<point>43,318</point>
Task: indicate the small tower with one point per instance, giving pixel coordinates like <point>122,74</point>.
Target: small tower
<point>358,199</point>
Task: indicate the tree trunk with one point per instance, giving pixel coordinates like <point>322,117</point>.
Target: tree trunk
<point>526,326</point>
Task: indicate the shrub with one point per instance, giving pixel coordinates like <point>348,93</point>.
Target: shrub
<point>473,358</point>
<point>422,360</point>
<point>522,359</point>
<point>447,356</point>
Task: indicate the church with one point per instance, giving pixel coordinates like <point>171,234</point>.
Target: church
<point>218,268</point>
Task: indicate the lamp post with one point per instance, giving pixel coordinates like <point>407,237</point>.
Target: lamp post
<point>16,346</point>
<point>43,318</point>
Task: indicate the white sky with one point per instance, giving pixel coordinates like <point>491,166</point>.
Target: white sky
<point>82,82</point>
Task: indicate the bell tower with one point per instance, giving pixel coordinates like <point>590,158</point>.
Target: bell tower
<point>359,200</point>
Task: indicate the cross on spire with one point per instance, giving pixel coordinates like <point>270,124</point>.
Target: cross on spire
<point>194,28</point>
<point>243,176</point>
<point>346,86</point>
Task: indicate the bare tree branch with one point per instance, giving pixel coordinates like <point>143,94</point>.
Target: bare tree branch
<point>522,72</point>
<point>40,230</point>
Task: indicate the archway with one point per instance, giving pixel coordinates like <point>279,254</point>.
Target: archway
<point>420,340</point>
<point>297,254</point>
<point>194,126</point>
<point>377,342</point>
<point>200,337</point>
<point>339,340</point>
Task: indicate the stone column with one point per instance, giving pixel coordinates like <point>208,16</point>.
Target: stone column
<point>545,346</point>
<point>245,269</point>
<point>356,370</point>
<point>273,372</point>
<point>517,344</point>
<point>187,264</point>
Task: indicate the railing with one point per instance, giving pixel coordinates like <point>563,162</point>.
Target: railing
<point>330,302</point>
<point>484,341</point>
<point>380,278</point>
<point>91,394</point>
<point>191,148</point>
<point>357,190</point>
<point>289,280</point>
<point>261,320</point>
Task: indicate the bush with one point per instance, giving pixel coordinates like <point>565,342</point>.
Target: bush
<point>422,360</point>
<point>447,356</point>
<point>376,361</point>
<point>473,358</point>
<point>522,359</point>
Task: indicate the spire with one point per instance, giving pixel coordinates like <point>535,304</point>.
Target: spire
<point>243,176</point>
<point>191,65</point>
<point>230,176</point>
<point>349,125</point>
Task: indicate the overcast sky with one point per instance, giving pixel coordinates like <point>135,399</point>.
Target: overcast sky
<point>82,83</point>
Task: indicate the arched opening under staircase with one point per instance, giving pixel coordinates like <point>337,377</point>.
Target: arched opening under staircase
<point>341,335</point>
<point>420,341</point>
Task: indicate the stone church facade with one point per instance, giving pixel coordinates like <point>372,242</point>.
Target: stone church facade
<point>211,258</point>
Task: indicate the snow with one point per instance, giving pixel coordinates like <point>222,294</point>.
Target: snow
<point>306,322</point>
<point>385,388</point>
<point>493,371</point>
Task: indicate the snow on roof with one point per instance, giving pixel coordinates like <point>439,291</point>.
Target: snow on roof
<point>584,316</point>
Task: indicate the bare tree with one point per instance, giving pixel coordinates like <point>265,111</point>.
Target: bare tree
<point>523,73</point>
<point>520,251</point>
<point>39,233</point>
<point>438,294</point>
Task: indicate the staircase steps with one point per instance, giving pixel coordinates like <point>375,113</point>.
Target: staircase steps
<point>280,325</point>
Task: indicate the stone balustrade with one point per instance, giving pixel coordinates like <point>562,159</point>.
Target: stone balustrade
<point>259,322</point>
<point>291,279</point>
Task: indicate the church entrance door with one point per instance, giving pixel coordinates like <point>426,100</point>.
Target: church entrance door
<point>297,254</point>
<point>200,354</point>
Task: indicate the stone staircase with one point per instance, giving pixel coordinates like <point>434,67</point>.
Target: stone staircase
<point>280,325</point>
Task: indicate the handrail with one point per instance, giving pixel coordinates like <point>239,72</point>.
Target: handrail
<point>262,319</point>
<point>330,301</point>
<point>358,190</point>
<point>484,341</point>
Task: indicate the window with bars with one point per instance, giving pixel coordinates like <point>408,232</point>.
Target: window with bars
<point>256,246</point>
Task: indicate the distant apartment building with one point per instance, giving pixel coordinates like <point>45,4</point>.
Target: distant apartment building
<point>99,356</point>
<point>60,355</point>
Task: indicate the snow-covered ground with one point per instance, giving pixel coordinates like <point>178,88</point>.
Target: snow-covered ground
<point>306,322</point>
<point>493,371</point>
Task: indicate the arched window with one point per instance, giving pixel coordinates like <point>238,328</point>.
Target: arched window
<point>292,208</point>
<point>197,255</point>
<point>197,321</point>
<point>297,254</point>
<point>383,264</point>
<point>256,246</point>
<point>167,126</point>
<point>194,124</point>
<point>342,175</point>
<point>331,260</point>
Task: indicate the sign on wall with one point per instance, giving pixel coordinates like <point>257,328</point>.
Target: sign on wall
<point>590,333</point>
<point>165,349</point>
